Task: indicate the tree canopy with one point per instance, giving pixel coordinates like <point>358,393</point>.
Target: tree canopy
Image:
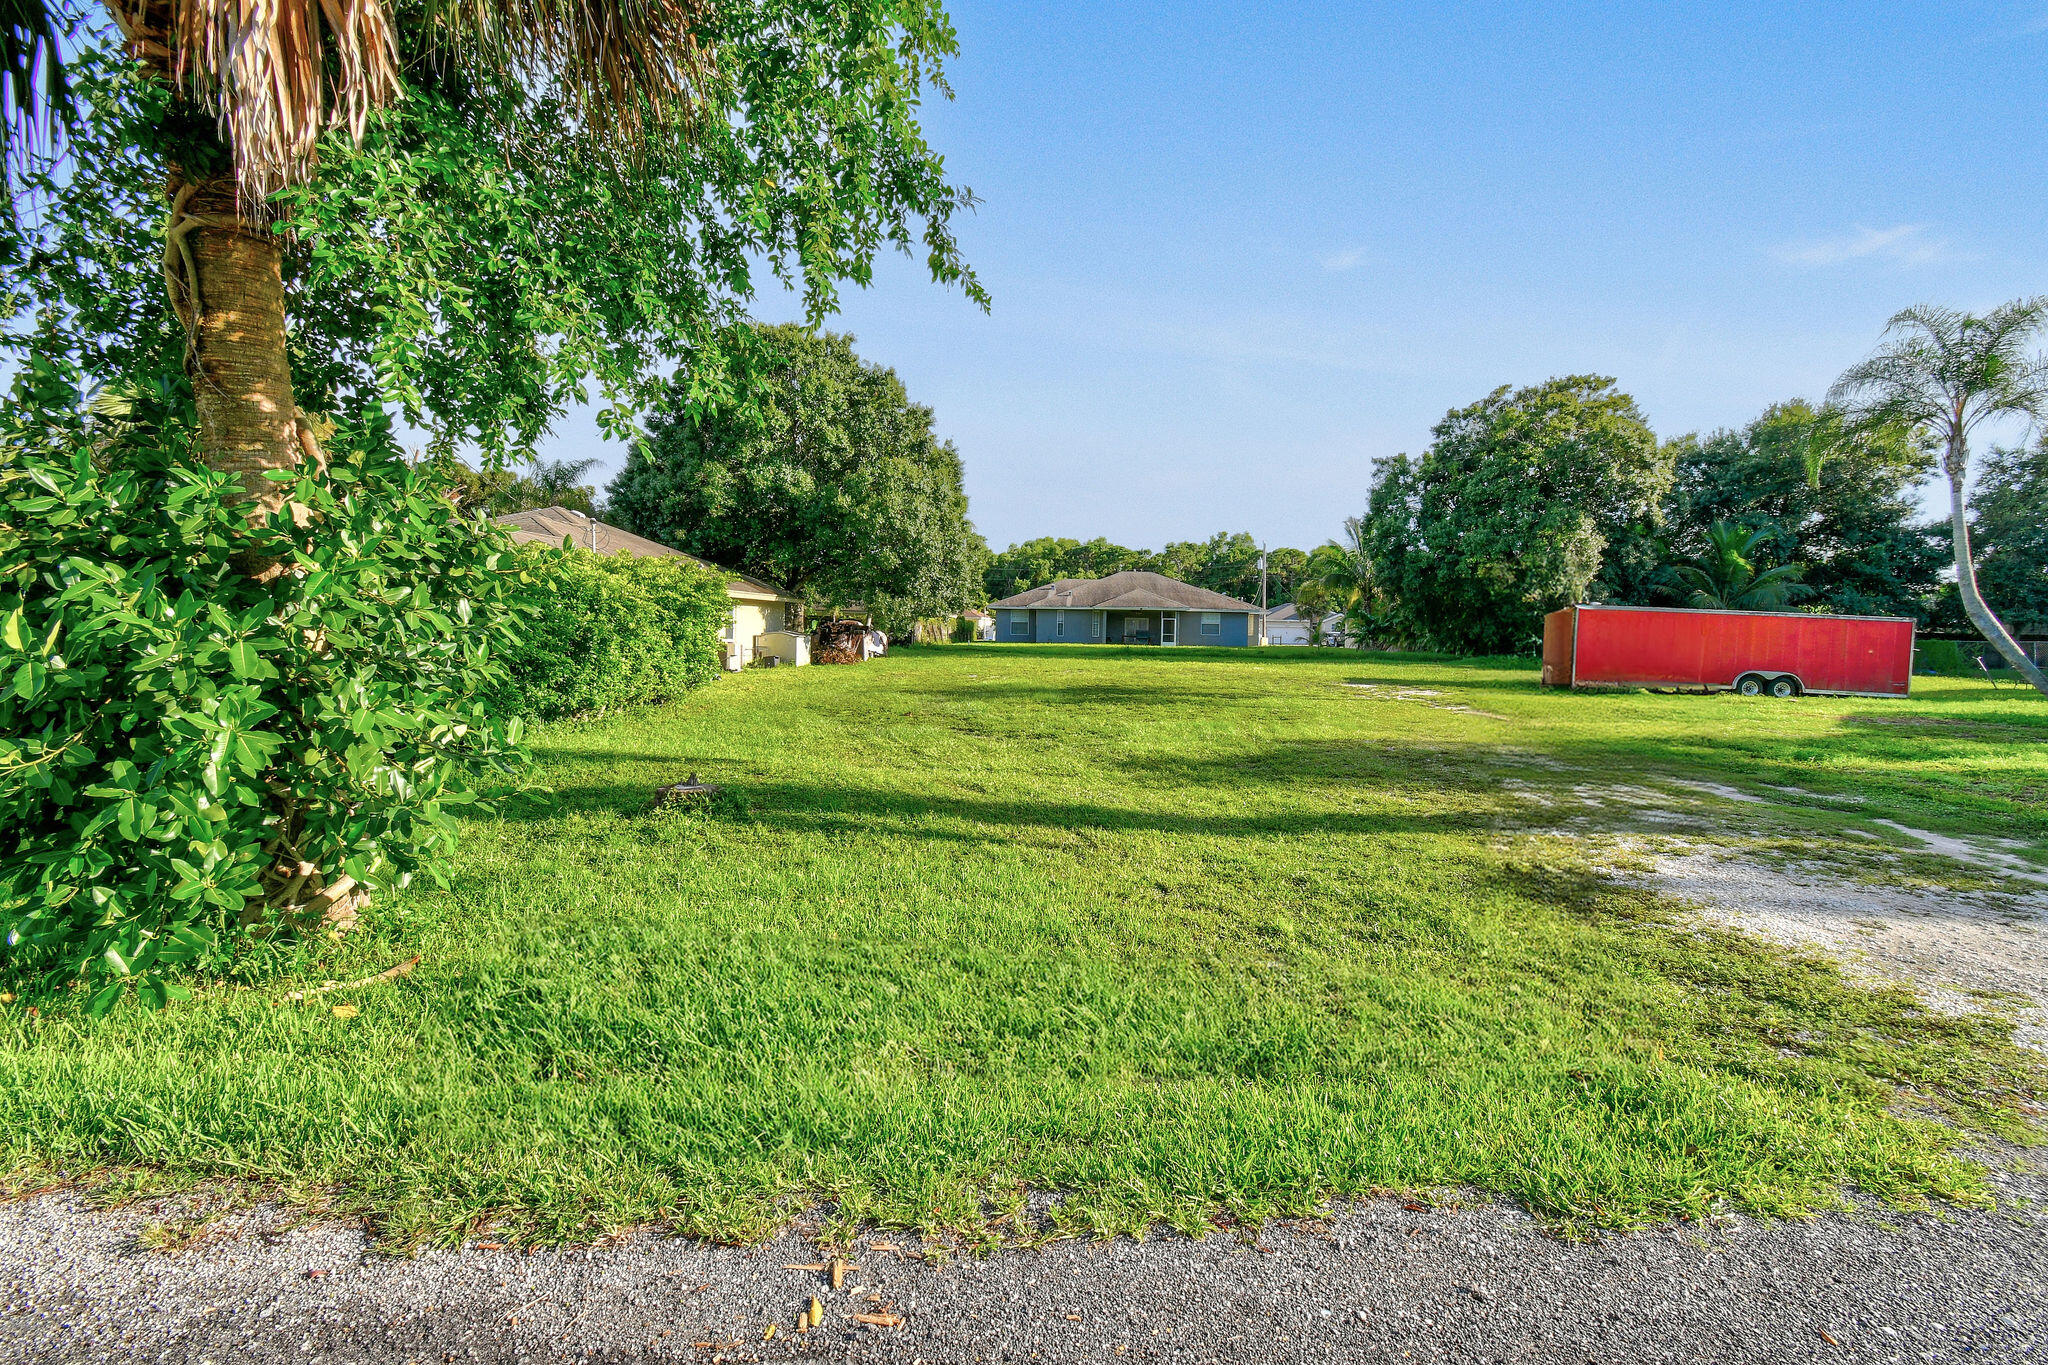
<point>1839,502</point>
<point>486,255</point>
<point>829,480</point>
<point>2010,532</point>
<point>1227,562</point>
<point>1047,558</point>
<point>1508,512</point>
<point>253,255</point>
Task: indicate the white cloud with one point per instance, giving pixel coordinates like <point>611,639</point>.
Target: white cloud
<point>1348,259</point>
<point>1905,244</point>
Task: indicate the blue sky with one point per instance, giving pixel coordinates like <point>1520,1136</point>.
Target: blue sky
<point>1240,251</point>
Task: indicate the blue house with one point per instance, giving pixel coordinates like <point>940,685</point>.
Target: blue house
<point>1130,608</point>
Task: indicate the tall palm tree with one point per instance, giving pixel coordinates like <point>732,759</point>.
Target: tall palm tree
<point>1726,578</point>
<point>274,77</point>
<point>1947,372</point>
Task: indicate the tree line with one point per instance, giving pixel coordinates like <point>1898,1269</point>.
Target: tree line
<point>1227,562</point>
<point>1537,497</point>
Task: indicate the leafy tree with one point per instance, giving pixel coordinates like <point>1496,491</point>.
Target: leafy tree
<point>495,490</point>
<point>1036,562</point>
<point>1312,603</point>
<point>1726,575</point>
<point>556,483</point>
<point>1945,372</point>
<point>1284,568</point>
<point>829,482</point>
<point>1181,559</point>
<point>251,231</point>
<point>539,219</point>
<point>1099,558</point>
<point>1027,565</point>
<point>2010,534</point>
<point>1226,562</point>
<point>1838,501</point>
<point>1507,514</point>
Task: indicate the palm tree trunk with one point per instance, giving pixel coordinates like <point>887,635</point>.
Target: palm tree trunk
<point>1988,625</point>
<point>226,280</point>
<point>225,275</point>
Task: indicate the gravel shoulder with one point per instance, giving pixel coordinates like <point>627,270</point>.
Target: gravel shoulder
<point>1475,1282</point>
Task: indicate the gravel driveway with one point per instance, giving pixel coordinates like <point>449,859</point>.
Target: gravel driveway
<point>1376,1282</point>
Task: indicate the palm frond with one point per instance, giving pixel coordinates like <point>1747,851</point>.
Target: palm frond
<point>1947,370</point>
<point>280,73</point>
<point>624,64</point>
<point>262,68</point>
<point>35,98</point>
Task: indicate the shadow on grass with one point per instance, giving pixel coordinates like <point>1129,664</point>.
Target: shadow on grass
<point>819,808</point>
<point>1270,778</point>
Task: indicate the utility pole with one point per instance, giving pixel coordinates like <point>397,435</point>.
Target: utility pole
<point>1262,593</point>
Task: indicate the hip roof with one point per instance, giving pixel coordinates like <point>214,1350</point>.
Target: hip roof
<point>1131,590</point>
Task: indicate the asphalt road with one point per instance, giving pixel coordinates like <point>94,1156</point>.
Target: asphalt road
<point>1379,1282</point>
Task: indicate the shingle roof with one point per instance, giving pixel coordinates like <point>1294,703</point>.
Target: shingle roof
<point>1131,590</point>
<point>547,526</point>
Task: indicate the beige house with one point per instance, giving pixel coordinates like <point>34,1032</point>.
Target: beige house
<point>759,625</point>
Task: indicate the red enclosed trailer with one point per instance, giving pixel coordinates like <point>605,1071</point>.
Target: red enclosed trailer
<point>1751,652</point>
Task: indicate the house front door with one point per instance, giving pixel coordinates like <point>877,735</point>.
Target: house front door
<point>1167,622</point>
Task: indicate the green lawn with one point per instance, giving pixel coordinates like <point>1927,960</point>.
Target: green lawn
<point>1182,934</point>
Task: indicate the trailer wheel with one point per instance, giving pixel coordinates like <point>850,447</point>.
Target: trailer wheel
<point>1750,685</point>
<point>1782,688</point>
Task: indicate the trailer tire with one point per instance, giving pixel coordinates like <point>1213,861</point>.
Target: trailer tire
<point>1782,688</point>
<point>1750,685</point>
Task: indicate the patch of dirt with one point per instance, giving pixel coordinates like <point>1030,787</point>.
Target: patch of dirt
<point>1945,944</point>
<point>1725,792</point>
<point>1377,692</point>
<point>1972,850</point>
<point>1960,920</point>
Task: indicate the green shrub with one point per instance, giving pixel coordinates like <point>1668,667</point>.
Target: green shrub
<point>963,630</point>
<point>691,607</point>
<point>174,730</point>
<point>612,631</point>
<point>1944,658</point>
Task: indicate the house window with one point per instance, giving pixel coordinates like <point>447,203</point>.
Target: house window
<point>1212,623</point>
<point>1095,627</point>
<point>1059,623</point>
<point>1020,623</point>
